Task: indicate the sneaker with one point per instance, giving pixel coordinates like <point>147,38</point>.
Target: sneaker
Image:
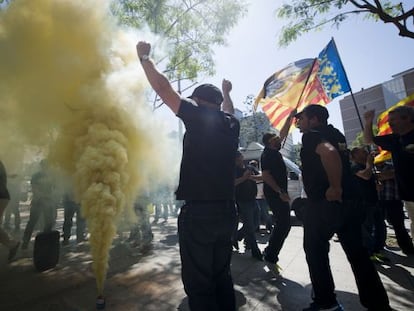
<point>82,239</point>
<point>273,267</point>
<point>13,251</point>
<point>375,259</point>
<point>315,307</point>
<point>382,257</point>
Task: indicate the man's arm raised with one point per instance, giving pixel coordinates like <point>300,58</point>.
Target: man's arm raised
<point>158,80</point>
<point>227,105</point>
<point>368,132</point>
<point>284,131</point>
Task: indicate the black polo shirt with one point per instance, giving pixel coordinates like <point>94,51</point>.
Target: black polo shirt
<point>402,149</point>
<point>272,161</point>
<point>314,176</point>
<point>209,152</point>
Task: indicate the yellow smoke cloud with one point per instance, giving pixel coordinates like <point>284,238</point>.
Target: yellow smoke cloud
<point>70,86</point>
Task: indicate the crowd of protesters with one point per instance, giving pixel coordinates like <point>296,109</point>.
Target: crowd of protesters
<point>333,180</point>
<point>218,204</point>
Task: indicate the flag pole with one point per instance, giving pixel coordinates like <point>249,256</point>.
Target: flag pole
<point>300,97</point>
<point>350,88</point>
<point>306,82</point>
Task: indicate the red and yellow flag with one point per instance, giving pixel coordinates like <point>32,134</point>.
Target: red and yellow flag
<point>304,82</point>
<point>384,128</point>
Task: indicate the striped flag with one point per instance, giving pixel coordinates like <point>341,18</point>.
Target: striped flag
<point>382,121</point>
<point>304,82</point>
<point>384,128</point>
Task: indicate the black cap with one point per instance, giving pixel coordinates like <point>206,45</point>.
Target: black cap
<point>315,111</point>
<point>209,93</point>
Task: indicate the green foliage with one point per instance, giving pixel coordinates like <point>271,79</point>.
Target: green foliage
<point>190,27</point>
<point>295,154</point>
<point>307,15</point>
<point>359,139</point>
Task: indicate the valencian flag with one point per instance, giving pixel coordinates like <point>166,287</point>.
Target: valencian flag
<point>384,128</point>
<point>304,82</point>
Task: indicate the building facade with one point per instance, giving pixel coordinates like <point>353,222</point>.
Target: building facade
<point>378,97</point>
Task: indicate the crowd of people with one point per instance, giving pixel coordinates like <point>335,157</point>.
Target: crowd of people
<point>45,196</point>
<point>348,195</point>
<point>207,224</point>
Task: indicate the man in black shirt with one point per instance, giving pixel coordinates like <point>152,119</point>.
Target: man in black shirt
<point>275,191</point>
<point>246,191</point>
<point>208,217</point>
<point>332,208</point>
<point>374,229</point>
<point>401,145</point>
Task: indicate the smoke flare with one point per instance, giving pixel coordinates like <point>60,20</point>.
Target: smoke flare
<point>70,87</point>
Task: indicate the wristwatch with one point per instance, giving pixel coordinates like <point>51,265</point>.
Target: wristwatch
<point>144,57</point>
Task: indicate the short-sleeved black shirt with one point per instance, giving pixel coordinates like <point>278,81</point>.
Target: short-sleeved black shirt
<point>246,190</point>
<point>209,152</point>
<point>366,188</point>
<point>402,149</point>
<point>272,161</point>
<point>315,179</point>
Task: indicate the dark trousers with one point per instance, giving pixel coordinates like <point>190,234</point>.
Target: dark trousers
<point>205,237</point>
<point>394,211</point>
<point>374,230</point>
<point>37,208</point>
<point>321,220</point>
<point>248,212</point>
<point>12,208</point>
<point>70,209</point>
<point>281,219</point>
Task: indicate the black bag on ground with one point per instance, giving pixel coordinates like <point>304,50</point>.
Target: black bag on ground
<point>46,250</point>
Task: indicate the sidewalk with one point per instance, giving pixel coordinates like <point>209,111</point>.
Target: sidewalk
<point>152,281</point>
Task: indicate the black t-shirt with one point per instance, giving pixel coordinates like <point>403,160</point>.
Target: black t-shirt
<point>209,152</point>
<point>247,190</point>
<point>315,179</point>
<point>366,188</point>
<point>272,161</point>
<point>402,149</point>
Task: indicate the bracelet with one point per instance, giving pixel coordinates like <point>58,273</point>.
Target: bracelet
<point>144,57</point>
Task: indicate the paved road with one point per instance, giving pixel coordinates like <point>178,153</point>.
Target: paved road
<point>151,281</point>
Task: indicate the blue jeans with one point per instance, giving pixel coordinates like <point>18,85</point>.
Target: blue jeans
<point>248,212</point>
<point>265,218</point>
<point>205,231</point>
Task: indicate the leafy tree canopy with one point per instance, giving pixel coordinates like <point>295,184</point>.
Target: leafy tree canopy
<point>307,15</point>
<point>191,27</point>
